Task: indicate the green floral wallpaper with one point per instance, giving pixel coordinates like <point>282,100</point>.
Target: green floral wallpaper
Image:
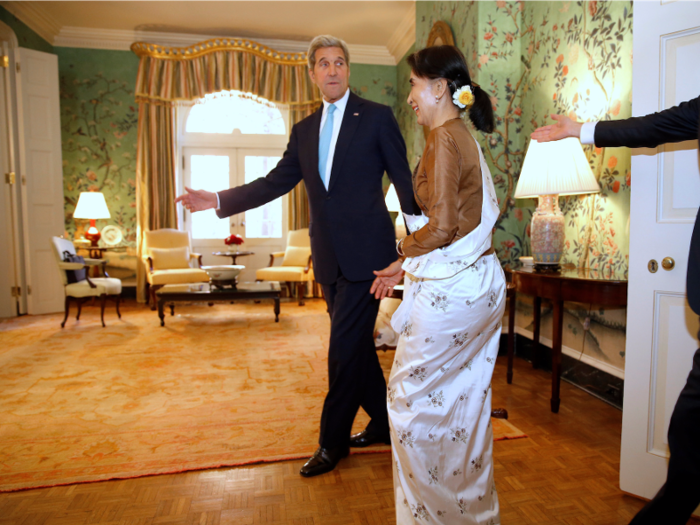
<point>537,58</point>
<point>98,133</point>
<point>376,83</point>
<point>25,36</point>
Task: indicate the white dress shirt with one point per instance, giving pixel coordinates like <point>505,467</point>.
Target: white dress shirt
<point>588,133</point>
<point>337,121</point>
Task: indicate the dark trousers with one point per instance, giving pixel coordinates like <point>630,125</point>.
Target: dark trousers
<point>355,378</point>
<point>680,495</point>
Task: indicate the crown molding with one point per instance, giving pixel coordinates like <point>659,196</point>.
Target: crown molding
<point>377,55</point>
<point>404,36</point>
<point>121,40</point>
<point>35,18</point>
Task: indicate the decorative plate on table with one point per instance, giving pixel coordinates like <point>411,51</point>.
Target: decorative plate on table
<point>112,235</point>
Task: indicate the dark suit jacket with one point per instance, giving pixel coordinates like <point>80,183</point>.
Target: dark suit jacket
<point>675,124</point>
<point>350,227</point>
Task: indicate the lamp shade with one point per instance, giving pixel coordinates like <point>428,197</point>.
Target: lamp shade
<point>91,205</point>
<point>555,168</point>
<point>392,200</point>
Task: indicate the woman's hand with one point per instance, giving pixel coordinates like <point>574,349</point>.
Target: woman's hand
<point>565,127</point>
<point>383,285</point>
<point>197,200</point>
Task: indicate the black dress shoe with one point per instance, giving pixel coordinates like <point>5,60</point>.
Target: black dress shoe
<point>324,460</point>
<point>369,437</point>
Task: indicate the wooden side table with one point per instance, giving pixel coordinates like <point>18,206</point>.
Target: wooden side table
<point>233,255</point>
<point>582,285</point>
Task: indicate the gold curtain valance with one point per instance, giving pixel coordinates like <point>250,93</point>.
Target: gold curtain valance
<point>170,74</point>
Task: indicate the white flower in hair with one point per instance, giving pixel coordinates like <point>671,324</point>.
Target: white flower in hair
<point>463,97</point>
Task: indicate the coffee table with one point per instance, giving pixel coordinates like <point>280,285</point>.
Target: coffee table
<point>210,294</point>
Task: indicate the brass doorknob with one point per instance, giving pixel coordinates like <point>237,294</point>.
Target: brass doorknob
<point>668,263</point>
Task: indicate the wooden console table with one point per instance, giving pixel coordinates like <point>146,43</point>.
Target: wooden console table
<point>581,285</point>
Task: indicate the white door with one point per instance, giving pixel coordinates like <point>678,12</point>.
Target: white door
<point>264,229</point>
<point>40,175</point>
<point>661,328</point>
<point>8,208</point>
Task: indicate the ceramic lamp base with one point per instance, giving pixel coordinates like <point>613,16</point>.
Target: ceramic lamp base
<point>93,234</point>
<point>547,232</point>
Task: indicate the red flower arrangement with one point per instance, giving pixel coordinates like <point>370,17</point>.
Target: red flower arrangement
<point>233,239</point>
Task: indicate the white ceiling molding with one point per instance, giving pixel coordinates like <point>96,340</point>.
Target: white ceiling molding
<point>121,40</point>
<point>404,36</point>
<point>35,18</point>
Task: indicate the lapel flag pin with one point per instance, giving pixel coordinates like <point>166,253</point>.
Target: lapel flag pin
<point>356,114</point>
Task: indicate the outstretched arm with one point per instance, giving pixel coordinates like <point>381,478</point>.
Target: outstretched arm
<point>563,128</point>
<point>197,200</point>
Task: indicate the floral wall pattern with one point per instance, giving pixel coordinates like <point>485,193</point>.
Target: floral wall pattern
<point>373,82</point>
<point>537,58</point>
<point>98,133</point>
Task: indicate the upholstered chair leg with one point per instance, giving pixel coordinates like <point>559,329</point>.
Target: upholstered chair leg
<point>119,298</point>
<point>80,309</point>
<point>153,297</point>
<point>103,300</point>
<point>148,293</point>
<point>67,308</point>
<point>301,290</point>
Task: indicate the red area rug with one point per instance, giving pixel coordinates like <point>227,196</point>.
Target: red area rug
<point>219,386</point>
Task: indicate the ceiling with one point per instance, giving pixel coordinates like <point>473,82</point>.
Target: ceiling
<point>376,28</point>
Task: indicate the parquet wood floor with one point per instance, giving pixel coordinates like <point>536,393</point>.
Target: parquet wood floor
<point>565,473</point>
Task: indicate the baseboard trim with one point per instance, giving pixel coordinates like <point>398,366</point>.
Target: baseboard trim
<point>599,383</point>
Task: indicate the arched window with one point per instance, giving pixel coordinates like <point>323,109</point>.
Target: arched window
<point>228,139</point>
<point>226,111</point>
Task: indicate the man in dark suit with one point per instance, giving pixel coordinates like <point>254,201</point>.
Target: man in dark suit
<point>680,495</point>
<point>341,153</point>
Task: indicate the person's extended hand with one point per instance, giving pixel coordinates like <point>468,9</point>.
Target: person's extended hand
<point>197,200</point>
<point>386,279</point>
<point>565,127</point>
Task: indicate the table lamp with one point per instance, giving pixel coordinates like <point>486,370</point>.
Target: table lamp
<point>392,204</point>
<point>91,205</point>
<point>551,169</point>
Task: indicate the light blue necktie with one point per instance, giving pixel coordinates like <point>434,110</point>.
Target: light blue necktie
<point>324,144</point>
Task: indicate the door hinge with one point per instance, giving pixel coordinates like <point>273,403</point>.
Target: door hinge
<point>183,162</point>
<point>17,67</point>
<point>24,180</point>
<point>29,290</point>
<point>10,177</point>
<point>16,291</point>
<point>5,61</point>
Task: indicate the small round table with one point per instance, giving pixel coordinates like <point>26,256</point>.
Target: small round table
<point>233,255</point>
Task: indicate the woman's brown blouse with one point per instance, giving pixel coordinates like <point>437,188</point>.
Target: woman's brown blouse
<point>448,188</point>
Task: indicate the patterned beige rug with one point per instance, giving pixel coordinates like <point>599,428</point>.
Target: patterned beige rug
<point>217,386</point>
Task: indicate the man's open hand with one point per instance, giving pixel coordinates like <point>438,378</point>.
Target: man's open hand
<point>383,285</point>
<point>197,200</point>
<point>565,127</point>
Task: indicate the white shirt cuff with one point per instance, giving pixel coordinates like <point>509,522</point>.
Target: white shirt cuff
<point>588,133</point>
<point>218,202</point>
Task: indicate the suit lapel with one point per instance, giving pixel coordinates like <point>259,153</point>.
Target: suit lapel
<point>351,121</point>
<point>313,146</point>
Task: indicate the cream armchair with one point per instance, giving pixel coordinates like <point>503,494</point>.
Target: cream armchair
<point>87,288</point>
<point>168,258</point>
<point>296,265</point>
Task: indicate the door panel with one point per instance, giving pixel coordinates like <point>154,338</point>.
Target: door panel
<point>661,329</point>
<point>41,176</point>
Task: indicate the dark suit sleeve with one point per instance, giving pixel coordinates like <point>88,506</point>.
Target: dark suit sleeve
<point>393,150</point>
<point>281,180</point>
<point>675,124</point>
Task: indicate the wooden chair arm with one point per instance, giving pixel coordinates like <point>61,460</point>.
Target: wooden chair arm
<point>71,265</point>
<point>308,265</point>
<point>197,256</point>
<point>273,255</point>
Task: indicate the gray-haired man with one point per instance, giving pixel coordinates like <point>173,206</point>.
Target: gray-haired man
<point>341,152</point>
